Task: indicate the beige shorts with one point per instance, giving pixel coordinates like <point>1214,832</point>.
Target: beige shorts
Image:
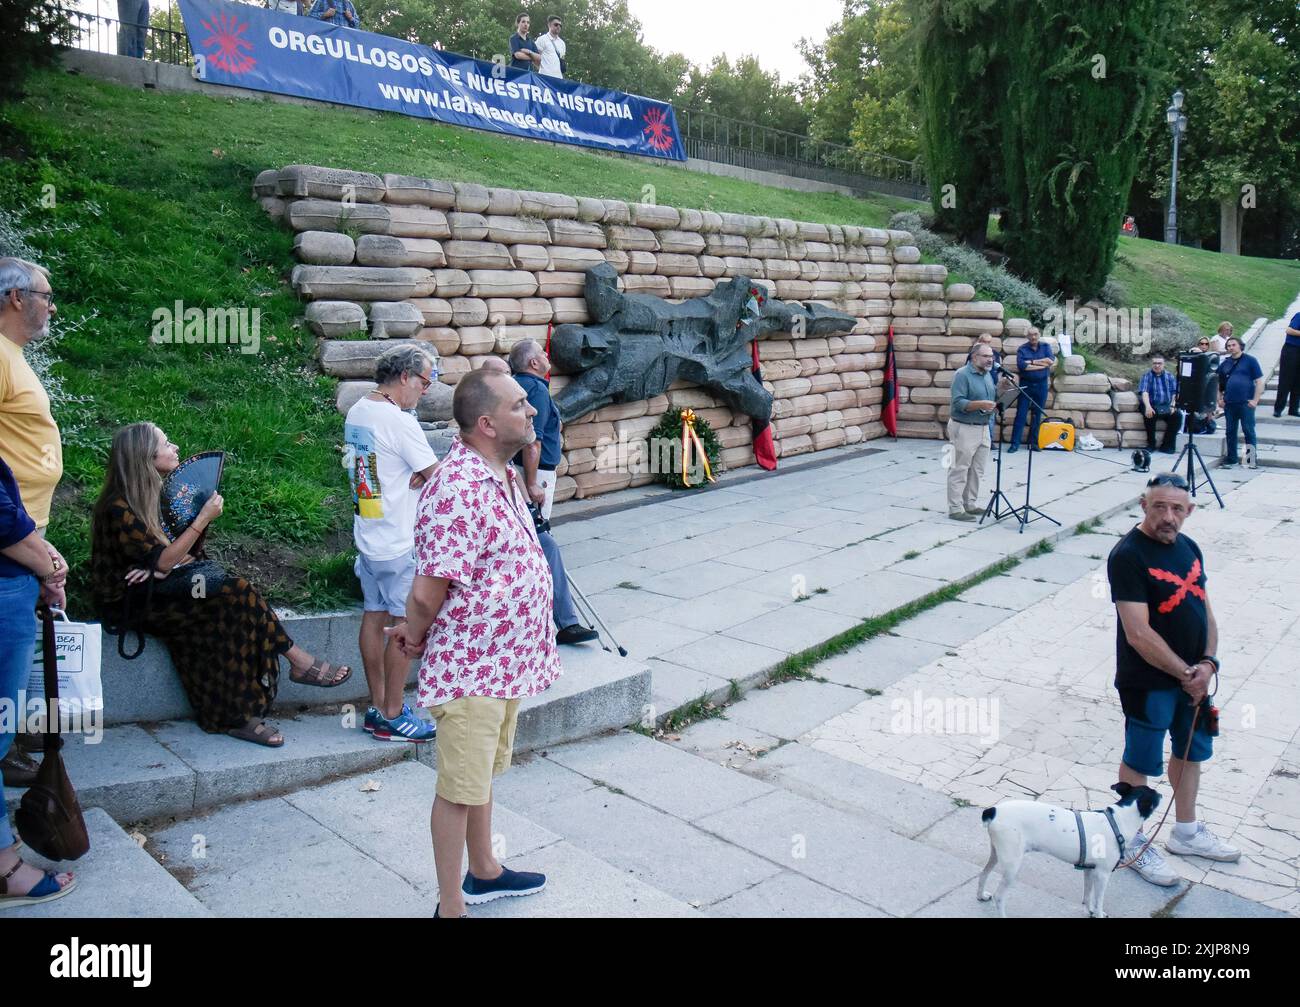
<point>476,736</point>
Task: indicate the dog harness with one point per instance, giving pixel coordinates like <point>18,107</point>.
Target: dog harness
<point>1081,864</point>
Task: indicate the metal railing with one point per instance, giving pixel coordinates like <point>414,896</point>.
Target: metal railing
<point>706,136</point>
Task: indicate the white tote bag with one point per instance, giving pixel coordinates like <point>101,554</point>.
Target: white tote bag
<point>79,648</point>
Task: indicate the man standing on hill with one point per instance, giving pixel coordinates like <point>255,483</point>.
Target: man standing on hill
<point>389,461</point>
<point>973,399</point>
<point>552,49</point>
<point>523,56</point>
<point>339,12</point>
<point>133,16</point>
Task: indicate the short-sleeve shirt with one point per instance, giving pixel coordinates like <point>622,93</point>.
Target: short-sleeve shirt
<point>494,634</point>
<point>547,420</point>
<point>1294,324</point>
<point>15,523</point>
<point>1026,354</point>
<point>384,448</point>
<point>29,436</point>
<point>1237,378</point>
<point>1160,388</point>
<point>516,43</point>
<point>1170,580</point>
<point>552,51</point>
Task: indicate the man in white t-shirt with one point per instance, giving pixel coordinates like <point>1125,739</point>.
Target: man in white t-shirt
<point>388,459</point>
<point>552,48</point>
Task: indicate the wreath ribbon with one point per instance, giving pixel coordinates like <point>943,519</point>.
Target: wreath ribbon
<point>689,438</point>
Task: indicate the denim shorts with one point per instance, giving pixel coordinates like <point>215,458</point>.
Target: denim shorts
<point>386,583</point>
<point>1150,714</point>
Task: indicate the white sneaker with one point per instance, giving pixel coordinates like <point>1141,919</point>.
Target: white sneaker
<point>1151,865</point>
<point>1204,844</point>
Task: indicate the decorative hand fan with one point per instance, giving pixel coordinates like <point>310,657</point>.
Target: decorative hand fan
<point>187,489</point>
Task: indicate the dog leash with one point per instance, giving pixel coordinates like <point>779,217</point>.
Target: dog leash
<point>1186,752</point>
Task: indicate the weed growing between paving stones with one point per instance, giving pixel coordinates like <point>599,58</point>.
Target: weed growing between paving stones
<point>911,554</point>
<point>1040,549</point>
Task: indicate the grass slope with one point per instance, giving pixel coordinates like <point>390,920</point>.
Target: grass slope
<point>152,204</point>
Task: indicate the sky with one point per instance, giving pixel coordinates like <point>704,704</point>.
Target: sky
<point>770,30</point>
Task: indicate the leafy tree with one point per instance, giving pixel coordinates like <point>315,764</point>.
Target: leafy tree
<point>604,39</point>
<point>747,92</point>
<point>860,87</point>
<point>1238,64</point>
<point>31,30</point>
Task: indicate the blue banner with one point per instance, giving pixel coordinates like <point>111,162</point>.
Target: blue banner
<point>245,46</point>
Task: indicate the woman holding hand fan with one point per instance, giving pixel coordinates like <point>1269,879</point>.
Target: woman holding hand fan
<point>224,639</point>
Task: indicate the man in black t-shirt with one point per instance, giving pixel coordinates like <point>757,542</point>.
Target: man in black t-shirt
<point>523,54</point>
<point>1165,643</point>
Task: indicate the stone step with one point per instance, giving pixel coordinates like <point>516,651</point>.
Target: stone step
<point>116,879</point>
<point>1274,452</point>
<point>139,771</point>
<point>360,847</point>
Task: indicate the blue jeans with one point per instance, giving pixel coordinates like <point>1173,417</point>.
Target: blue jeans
<point>18,596</point>
<point>565,614</point>
<point>1035,391</point>
<point>1234,413</point>
<point>134,15</point>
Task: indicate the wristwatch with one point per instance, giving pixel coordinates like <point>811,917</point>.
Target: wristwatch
<point>58,565</point>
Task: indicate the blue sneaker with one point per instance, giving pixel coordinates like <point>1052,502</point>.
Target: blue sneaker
<point>406,726</point>
<point>372,720</point>
<point>509,884</point>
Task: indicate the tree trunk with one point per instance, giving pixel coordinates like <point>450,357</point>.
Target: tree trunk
<point>1229,226</point>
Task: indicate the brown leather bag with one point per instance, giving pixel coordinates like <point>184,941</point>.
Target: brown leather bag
<point>49,816</point>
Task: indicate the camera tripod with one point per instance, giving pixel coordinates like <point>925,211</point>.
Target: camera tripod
<point>1193,455</point>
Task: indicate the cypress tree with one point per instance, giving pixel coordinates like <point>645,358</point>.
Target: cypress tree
<point>1081,84</point>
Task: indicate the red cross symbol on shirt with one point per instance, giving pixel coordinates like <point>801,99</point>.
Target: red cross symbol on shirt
<point>1185,584</point>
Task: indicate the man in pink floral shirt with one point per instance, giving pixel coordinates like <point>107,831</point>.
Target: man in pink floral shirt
<point>479,617</point>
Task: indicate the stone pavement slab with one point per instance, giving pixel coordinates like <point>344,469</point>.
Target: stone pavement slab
<point>676,686</point>
<point>724,657</point>
<point>789,709</point>
<point>952,563</point>
<point>660,849</point>
<point>1062,569</point>
<point>792,896</point>
<point>792,628</point>
<point>903,808</point>
<point>880,662</point>
<point>1023,902</point>
<point>723,741</point>
<point>656,774</point>
<point>116,879</point>
<point>842,851</point>
<point>1014,593</point>
<point>952,623</point>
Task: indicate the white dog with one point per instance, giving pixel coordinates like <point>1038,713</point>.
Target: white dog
<point>1096,842</point>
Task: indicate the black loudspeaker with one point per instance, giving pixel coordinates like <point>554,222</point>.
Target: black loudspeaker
<point>1198,382</point>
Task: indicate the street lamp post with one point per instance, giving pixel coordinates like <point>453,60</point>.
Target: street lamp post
<point>1178,127</point>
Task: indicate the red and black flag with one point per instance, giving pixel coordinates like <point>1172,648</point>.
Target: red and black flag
<point>889,404</point>
<point>764,449</point>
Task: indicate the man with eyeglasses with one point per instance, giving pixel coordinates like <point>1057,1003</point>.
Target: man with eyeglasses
<point>1158,390</point>
<point>389,460</point>
<point>30,442</point>
<point>1166,638</point>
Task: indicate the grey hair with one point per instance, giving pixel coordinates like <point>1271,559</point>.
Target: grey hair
<point>16,274</point>
<point>398,361</point>
<point>521,353</point>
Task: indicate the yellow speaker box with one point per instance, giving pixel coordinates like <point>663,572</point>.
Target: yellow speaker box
<point>1056,433</point>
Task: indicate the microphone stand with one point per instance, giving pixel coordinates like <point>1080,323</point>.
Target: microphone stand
<point>1022,513</point>
<point>997,498</point>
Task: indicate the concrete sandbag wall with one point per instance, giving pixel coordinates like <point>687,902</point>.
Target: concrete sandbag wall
<point>469,271</point>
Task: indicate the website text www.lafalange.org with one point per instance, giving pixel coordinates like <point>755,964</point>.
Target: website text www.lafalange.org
<point>485,83</point>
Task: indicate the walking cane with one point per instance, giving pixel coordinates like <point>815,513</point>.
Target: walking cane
<point>595,616</point>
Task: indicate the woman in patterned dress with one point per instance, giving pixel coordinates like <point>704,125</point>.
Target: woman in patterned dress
<point>226,644</point>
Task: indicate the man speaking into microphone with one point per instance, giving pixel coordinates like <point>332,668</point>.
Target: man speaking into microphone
<point>970,407</point>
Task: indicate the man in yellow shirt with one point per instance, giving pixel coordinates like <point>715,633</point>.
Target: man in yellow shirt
<point>28,433</point>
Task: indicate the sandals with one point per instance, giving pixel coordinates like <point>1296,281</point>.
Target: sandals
<point>259,733</point>
<point>321,673</point>
<point>45,890</point>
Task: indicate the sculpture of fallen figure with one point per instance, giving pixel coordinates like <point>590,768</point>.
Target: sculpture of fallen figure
<point>638,344</point>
